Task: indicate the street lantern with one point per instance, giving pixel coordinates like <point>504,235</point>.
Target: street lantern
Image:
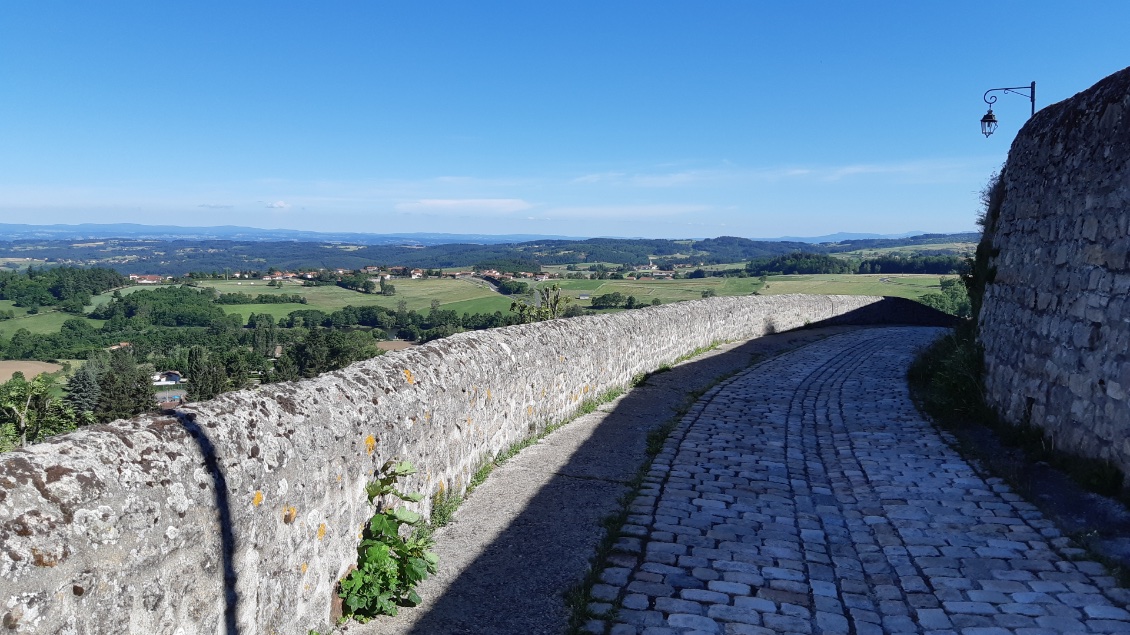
<point>989,121</point>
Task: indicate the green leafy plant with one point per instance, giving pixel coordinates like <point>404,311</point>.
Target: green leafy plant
<point>389,565</point>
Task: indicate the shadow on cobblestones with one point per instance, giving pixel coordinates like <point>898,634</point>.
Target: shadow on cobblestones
<point>805,495</point>
<point>577,475</point>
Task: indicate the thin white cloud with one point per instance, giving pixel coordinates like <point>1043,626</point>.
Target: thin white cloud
<point>601,177</point>
<point>920,170</point>
<point>465,205</point>
<point>215,206</point>
<point>605,212</point>
<point>278,205</point>
<point>661,179</point>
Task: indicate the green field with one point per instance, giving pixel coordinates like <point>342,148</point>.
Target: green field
<point>46,321</point>
<point>666,290</point>
<point>582,267</point>
<point>103,298</point>
<point>464,296</point>
<point>457,295</point>
<point>957,249</point>
<point>19,264</point>
<point>899,285</point>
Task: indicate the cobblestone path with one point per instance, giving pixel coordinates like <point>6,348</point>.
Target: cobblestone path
<point>807,495</point>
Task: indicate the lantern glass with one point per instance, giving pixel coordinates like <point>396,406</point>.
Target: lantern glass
<point>988,123</point>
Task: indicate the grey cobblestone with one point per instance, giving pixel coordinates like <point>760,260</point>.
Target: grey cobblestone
<point>807,495</point>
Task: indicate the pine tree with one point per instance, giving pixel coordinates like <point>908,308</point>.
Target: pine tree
<point>284,370</point>
<point>83,392</point>
<point>124,388</point>
<point>206,376</point>
<point>264,335</point>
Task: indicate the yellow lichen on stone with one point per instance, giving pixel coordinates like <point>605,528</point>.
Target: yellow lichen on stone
<point>408,376</point>
<point>289,514</point>
<point>529,410</point>
<point>321,531</point>
<point>370,443</point>
<point>488,394</point>
<point>257,499</point>
<point>303,568</point>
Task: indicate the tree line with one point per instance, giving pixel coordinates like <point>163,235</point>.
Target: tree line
<point>800,263</point>
<point>214,257</point>
<point>67,288</point>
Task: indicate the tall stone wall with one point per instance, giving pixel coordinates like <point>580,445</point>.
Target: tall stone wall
<point>1056,320</point>
<point>244,511</point>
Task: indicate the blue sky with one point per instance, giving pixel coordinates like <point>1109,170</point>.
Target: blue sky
<point>656,119</point>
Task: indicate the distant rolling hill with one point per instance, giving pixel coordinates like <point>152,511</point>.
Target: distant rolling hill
<point>170,250</point>
<point>99,231</point>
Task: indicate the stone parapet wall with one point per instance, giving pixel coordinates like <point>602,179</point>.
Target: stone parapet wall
<point>244,511</point>
<point>1056,320</point>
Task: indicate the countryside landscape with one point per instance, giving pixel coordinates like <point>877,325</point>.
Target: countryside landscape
<point>588,318</point>
<point>225,326</point>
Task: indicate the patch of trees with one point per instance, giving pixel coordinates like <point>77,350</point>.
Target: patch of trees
<point>800,263</point>
<point>108,387</point>
<point>512,287</point>
<point>401,322</point>
<point>809,263</point>
<point>165,306</point>
<point>953,298</point>
<point>68,288</point>
<point>732,249</point>
<point>358,282</point>
<point>617,300</point>
<point>940,265</point>
<point>514,264</point>
<point>262,298</point>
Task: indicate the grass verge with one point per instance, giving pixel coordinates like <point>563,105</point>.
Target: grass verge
<point>444,505</point>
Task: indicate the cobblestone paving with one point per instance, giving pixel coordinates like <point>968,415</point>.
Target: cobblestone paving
<point>807,495</point>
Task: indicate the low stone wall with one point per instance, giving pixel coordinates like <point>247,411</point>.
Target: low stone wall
<point>1056,319</point>
<point>243,512</point>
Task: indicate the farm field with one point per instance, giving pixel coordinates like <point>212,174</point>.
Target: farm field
<point>899,285</point>
<point>582,266</point>
<point>28,368</point>
<point>103,298</point>
<point>46,321</point>
<point>464,296</point>
<point>417,294</point>
<point>959,249</point>
<point>19,264</point>
<point>489,304</point>
<point>666,290</point>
